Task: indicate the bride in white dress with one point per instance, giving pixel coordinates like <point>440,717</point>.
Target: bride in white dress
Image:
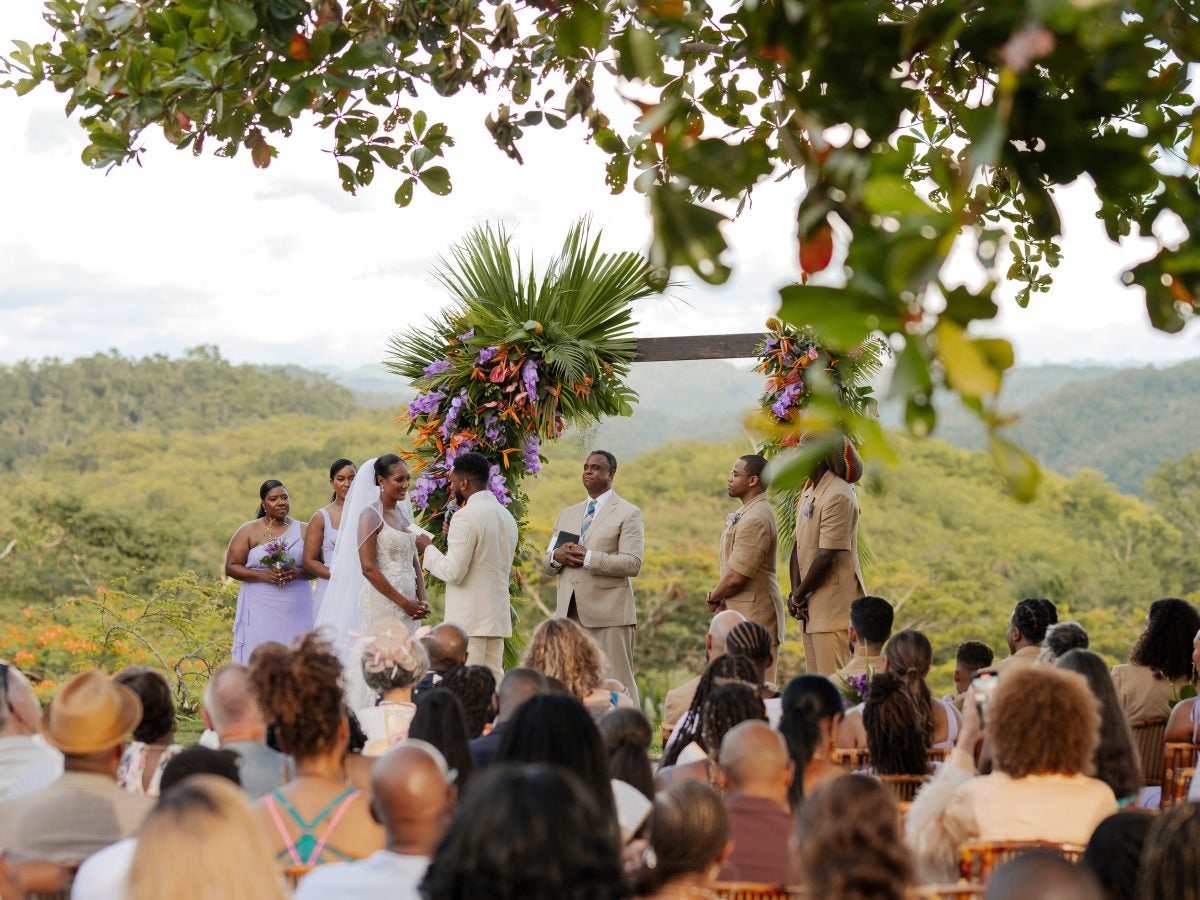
<point>376,577</point>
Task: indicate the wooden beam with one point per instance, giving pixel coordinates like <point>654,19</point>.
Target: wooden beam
<point>697,346</point>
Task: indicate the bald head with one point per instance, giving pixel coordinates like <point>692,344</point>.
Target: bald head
<point>411,797</point>
<point>20,712</point>
<point>718,630</point>
<point>1044,875</point>
<point>447,646</point>
<point>229,705</point>
<point>755,761</point>
<point>517,686</point>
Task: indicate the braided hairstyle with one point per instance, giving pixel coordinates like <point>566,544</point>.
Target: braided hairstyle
<point>627,735</point>
<point>299,691</point>
<point>1166,644</point>
<point>1032,617</point>
<point>728,705</point>
<point>1171,858</point>
<point>808,700</point>
<point>751,640</point>
<point>721,670</point>
<point>909,656</point>
<point>474,686</point>
<point>895,737</point>
<point>687,831</point>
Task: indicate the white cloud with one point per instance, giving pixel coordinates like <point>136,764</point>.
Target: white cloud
<point>281,265</point>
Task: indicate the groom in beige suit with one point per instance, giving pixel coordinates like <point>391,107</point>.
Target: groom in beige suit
<point>594,573</point>
<point>477,564</point>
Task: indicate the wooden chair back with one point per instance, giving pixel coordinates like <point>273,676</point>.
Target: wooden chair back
<point>41,879</point>
<point>938,754</point>
<point>1176,758</point>
<point>958,891</point>
<point>905,787</point>
<point>977,860</point>
<point>749,890</point>
<point>1150,736</point>
<point>851,760</point>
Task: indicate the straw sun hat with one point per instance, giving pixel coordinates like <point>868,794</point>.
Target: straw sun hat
<point>90,714</point>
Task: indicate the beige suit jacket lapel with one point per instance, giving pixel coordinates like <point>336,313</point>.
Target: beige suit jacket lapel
<point>601,514</point>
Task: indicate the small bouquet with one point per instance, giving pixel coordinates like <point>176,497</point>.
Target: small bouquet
<point>277,556</point>
<point>854,689</point>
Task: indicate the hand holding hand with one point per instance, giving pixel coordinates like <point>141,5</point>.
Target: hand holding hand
<point>417,610</point>
<point>576,554</point>
<point>715,606</point>
<point>423,541</point>
<point>798,607</point>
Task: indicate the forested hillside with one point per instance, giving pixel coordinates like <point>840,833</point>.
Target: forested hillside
<point>130,507</point>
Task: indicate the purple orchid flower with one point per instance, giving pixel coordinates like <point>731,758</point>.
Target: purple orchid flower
<point>469,334</point>
<point>496,484</point>
<point>533,463</point>
<point>785,400</point>
<point>529,374</point>
<point>425,404</point>
<point>487,354</point>
<point>492,429</point>
<point>424,487</point>
<point>437,367</point>
<point>452,414</point>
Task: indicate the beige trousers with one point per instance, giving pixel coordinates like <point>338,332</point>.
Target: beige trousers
<point>489,652</point>
<point>826,651</point>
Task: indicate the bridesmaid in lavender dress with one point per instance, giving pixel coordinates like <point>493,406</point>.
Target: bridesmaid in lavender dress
<point>275,603</point>
<point>321,536</point>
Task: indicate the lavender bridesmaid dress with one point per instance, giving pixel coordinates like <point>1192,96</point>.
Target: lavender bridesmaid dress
<point>328,544</point>
<point>268,612</point>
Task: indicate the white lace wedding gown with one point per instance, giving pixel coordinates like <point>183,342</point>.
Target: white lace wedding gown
<point>395,555</point>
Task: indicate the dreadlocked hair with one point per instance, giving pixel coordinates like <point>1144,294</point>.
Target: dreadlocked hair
<point>808,700</point>
<point>686,832</point>
<point>728,705</point>
<point>1171,857</point>
<point>299,690</point>
<point>751,640</point>
<point>909,655</point>
<point>1166,644</point>
<point>721,670</point>
<point>895,738</point>
<point>1033,616</point>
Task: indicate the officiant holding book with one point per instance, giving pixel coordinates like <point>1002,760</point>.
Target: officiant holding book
<point>595,549</point>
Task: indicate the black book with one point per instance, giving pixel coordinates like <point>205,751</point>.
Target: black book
<point>564,537</point>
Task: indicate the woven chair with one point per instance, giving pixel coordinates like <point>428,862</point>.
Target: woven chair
<point>947,892</point>
<point>977,860</point>
<point>1176,757</point>
<point>939,754</point>
<point>1150,737</point>
<point>749,890</point>
<point>904,787</point>
<point>851,760</point>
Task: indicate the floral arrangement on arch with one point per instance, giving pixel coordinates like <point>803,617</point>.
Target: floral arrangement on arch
<point>516,359</point>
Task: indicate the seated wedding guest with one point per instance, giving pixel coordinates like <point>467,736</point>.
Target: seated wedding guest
<point>317,817</point>
<point>679,700</point>
<point>753,641</point>
<point>896,732</point>
<point>812,711</point>
<point>848,842</point>
<point>1160,664</point>
<point>561,648</point>
<point>1171,857</point>
<point>475,688</point>
<point>83,810</point>
<point>687,732</point>
<point>1026,629</point>
<point>27,763</point>
<point>527,832</point>
<point>557,729</point>
<point>1061,638</point>
<point>391,665</point>
<point>969,658</point>
<point>440,723</point>
<point>871,621</point>
<point>757,772</point>
<point>447,650</point>
<point>908,657</point>
<point>206,822</point>
<point>1044,875</point>
<point>517,686</point>
<point>153,742</point>
<point>1183,725</point>
<point>104,874</point>
<point>1114,854</point>
<point>231,712</point>
<point>627,735</point>
<point>413,799</point>
<point>688,840</point>
<point>1043,727</point>
<point>1116,762</point>
<point>727,705</point>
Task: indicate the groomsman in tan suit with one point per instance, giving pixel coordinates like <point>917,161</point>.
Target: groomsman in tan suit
<point>826,577</point>
<point>594,573</point>
<point>477,564</point>
<point>748,547</point>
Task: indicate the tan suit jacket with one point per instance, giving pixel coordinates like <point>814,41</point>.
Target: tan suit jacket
<point>677,702</point>
<point>1026,656</point>
<point>1143,695</point>
<point>749,547</point>
<point>858,665</point>
<point>603,591</point>
<point>827,519</point>
<point>477,566</point>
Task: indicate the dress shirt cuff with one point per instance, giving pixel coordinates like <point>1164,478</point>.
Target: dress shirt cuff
<point>587,560</point>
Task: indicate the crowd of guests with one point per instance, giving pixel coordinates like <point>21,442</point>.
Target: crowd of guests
<point>545,785</point>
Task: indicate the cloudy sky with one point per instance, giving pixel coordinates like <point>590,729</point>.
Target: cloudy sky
<point>282,266</point>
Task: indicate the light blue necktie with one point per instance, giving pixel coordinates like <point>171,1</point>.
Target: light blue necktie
<point>587,519</point>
